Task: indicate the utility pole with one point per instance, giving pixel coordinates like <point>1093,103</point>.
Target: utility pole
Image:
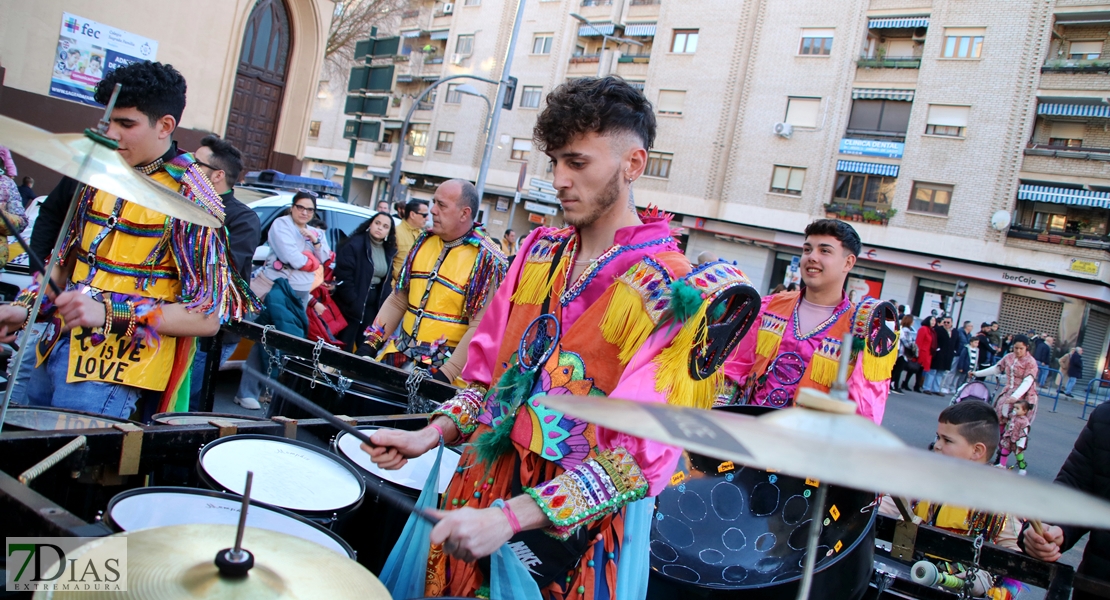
<point>496,118</point>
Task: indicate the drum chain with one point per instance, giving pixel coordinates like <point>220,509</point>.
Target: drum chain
<point>417,403</point>
<point>272,357</point>
<point>972,570</point>
<point>319,375</point>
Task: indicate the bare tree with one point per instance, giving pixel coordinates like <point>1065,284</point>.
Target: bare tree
<point>352,22</point>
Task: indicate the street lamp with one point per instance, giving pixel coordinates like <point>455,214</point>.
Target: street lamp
<point>604,40</point>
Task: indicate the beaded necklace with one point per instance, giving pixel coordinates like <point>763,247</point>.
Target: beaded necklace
<point>599,264</point>
<point>820,328</point>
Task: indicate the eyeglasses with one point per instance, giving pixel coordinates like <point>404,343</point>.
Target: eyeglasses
<point>207,166</point>
<point>306,209</point>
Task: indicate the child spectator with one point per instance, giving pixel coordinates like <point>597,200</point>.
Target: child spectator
<point>968,360</point>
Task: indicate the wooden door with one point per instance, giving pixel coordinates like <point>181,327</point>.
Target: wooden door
<point>260,84</point>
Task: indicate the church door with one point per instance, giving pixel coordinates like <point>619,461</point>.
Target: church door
<point>259,84</point>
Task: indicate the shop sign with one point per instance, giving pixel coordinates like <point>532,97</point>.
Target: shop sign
<point>871,148</point>
<point>1086,267</point>
<point>87,50</point>
<point>542,209</point>
<point>537,219</point>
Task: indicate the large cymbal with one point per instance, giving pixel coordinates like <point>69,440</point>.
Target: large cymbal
<point>84,159</point>
<point>842,449</point>
<point>177,562</point>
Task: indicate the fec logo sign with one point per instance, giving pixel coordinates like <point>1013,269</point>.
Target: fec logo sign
<point>66,564</point>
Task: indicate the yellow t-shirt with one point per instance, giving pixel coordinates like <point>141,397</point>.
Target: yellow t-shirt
<point>406,238</point>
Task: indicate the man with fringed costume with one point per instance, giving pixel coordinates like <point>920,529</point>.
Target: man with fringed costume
<point>605,306</point>
<point>797,343</point>
<point>442,289</point>
<point>139,286</point>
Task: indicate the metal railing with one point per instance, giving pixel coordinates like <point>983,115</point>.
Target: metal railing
<point>597,2</point>
<point>644,2</point>
<point>1089,402</point>
<point>876,62</point>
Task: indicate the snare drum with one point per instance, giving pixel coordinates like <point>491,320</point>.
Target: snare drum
<point>200,418</point>
<point>288,474</point>
<point>722,530</point>
<point>379,524</point>
<point>41,418</point>
<point>144,508</point>
<point>361,398</point>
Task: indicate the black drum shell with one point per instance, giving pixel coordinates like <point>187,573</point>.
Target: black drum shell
<point>57,419</point>
<point>363,398</point>
<point>844,577</point>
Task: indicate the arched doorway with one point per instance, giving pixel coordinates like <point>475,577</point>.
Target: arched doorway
<point>260,83</point>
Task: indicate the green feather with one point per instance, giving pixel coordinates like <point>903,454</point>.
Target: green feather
<point>513,386</point>
<point>685,300</point>
<point>858,344</point>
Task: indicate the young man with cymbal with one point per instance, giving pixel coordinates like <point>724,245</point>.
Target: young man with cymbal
<point>798,341</point>
<point>605,306</point>
<point>139,286</point>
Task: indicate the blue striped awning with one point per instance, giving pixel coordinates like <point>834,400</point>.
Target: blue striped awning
<point>596,29</point>
<point>854,166</point>
<point>404,78</point>
<point>1042,193</point>
<point>1074,110</point>
<point>639,30</point>
<point>898,23</point>
<point>872,94</point>
<point>439,35</point>
<point>410,34</point>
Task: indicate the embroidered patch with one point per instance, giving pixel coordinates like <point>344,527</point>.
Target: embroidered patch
<point>830,349</point>
<point>774,324</point>
<point>651,281</point>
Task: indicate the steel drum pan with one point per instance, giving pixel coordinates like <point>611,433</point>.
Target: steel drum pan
<point>41,418</point>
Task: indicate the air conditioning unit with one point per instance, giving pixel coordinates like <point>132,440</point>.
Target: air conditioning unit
<point>448,8</point>
<point>919,34</point>
<point>456,59</point>
<point>784,129</point>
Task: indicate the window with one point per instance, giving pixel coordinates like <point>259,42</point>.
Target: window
<point>787,180</point>
<point>314,129</point>
<point>659,164</point>
<point>880,117</point>
<point>445,141</point>
<point>671,102</point>
<point>873,192</point>
<point>541,44</point>
<point>530,96</point>
<point>1085,50</point>
<point>1067,134</point>
<point>521,149</point>
<point>417,142</point>
<point>472,2</point>
<point>465,45</point>
<point>803,112</point>
<point>963,42</point>
<point>454,96</point>
<point>947,120</point>
<point>685,41</point>
<point>932,198</point>
<point>816,42</point>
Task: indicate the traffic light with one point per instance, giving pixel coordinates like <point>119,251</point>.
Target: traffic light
<point>510,93</point>
<point>961,289</point>
<point>369,87</point>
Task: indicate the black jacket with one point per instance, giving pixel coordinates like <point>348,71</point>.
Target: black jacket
<point>1088,469</point>
<point>1075,365</point>
<point>1042,353</point>
<point>354,267</point>
<point>52,212</point>
<point>985,352</point>
<point>244,234</point>
<point>945,351</point>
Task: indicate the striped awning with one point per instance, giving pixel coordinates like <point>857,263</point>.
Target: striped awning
<point>854,166</point>
<point>1074,110</point>
<point>1043,193</point>
<point>639,85</point>
<point>410,34</point>
<point>404,78</point>
<point>441,34</point>
<point>898,23</point>
<point>596,29</point>
<point>430,77</point>
<point>639,30</point>
<point>873,94</point>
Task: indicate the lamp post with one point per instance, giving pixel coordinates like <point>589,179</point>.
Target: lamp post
<point>604,40</point>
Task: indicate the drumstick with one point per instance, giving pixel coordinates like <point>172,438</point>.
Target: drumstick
<point>36,262</point>
<point>1037,526</point>
<point>398,500</point>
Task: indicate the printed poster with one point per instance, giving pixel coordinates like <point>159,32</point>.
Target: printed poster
<point>87,50</point>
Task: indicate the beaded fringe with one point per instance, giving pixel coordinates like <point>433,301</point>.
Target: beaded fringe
<point>625,323</point>
<point>673,378</point>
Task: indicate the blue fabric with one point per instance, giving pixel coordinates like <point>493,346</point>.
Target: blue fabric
<point>406,568</point>
<point>509,578</point>
<point>634,565</point>
<point>48,387</point>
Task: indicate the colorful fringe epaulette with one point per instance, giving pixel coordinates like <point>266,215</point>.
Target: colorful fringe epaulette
<point>535,276</point>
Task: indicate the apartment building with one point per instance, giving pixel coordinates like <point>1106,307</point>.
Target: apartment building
<point>965,139</point>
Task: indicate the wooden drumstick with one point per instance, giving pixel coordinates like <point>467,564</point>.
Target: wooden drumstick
<point>1037,526</point>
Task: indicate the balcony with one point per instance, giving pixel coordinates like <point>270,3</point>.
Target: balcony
<point>635,58</point>
<point>1059,237</point>
<point>644,2</point>
<point>1078,152</point>
<point>425,106</point>
<point>597,3</point>
<point>895,62</point>
<point>585,58</point>
<point>1073,161</point>
<point>384,148</point>
<point>846,210</point>
<point>410,14</point>
<point>1067,65</point>
<point>431,59</point>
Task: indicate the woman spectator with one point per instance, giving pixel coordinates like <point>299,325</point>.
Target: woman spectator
<point>943,355</point>
<point>296,250</point>
<point>364,274</point>
<point>1020,369</point>
<point>926,343</point>
<point>11,202</point>
<point>907,351</point>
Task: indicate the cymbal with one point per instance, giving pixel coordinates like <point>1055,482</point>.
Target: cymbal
<point>177,562</point>
<point>841,449</point>
<point>88,161</point>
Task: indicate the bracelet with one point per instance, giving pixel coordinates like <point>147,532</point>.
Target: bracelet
<point>26,299</point>
<point>514,524</point>
<point>123,320</point>
<point>439,429</point>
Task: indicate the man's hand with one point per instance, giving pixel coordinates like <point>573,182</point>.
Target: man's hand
<point>469,534</point>
<point>79,310</point>
<point>11,320</point>
<point>393,447</point>
<point>1046,547</point>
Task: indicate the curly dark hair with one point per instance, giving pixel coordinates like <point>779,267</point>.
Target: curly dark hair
<point>592,105</point>
<point>153,88</point>
<point>843,232</point>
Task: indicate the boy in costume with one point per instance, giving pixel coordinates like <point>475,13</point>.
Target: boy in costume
<point>798,342</point>
<point>605,306</point>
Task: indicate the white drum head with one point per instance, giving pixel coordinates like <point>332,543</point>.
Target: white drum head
<point>415,472</point>
<point>285,475</point>
<point>161,509</point>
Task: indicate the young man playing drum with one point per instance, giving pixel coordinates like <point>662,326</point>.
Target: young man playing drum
<point>139,286</point>
<point>798,342</point>
<point>591,309</point>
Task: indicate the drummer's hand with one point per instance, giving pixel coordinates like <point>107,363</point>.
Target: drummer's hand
<point>469,534</point>
<point>11,321</point>
<point>1046,547</point>
<point>79,310</point>
<point>393,447</point>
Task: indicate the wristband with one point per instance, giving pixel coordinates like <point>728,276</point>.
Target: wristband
<point>439,429</point>
<point>514,524</point>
